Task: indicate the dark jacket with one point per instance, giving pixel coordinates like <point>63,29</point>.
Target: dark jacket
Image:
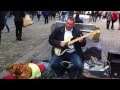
<point>58,35</point>
<point>19,15</point>
<point>2,20</point>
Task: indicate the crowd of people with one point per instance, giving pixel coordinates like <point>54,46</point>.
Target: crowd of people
<point>110,16</point>
<point>18,20</point>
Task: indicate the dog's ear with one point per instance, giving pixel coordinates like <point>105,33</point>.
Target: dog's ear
<point>10,69</point>
<point>13,68</point>
<point>18,69</point>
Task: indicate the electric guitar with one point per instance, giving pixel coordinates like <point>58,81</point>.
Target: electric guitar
<point>61,51</point>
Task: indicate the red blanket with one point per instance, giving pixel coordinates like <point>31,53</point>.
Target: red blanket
<point>11,76</point>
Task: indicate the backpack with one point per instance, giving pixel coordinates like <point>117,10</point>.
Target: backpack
<point>114,16</point>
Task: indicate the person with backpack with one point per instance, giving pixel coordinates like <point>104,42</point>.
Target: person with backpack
<point>114,19</point>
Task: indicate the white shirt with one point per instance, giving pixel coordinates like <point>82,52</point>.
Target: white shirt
<point>68,34</point>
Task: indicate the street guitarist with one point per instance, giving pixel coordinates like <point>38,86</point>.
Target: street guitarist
<point>59,39</point>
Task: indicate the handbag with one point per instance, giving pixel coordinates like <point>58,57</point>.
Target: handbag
<point>27,20</point>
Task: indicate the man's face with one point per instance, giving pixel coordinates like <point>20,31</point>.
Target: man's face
<point>69,24</point>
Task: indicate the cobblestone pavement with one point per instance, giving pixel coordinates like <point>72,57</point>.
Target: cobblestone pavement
<point>109,39</point>
<point>34,35</point>
<point>12,51</point>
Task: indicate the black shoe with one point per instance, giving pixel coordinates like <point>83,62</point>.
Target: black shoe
<point>17,38</point>
<point>20,39</point>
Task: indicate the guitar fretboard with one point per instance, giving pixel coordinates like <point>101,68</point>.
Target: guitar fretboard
<point>77,39</point>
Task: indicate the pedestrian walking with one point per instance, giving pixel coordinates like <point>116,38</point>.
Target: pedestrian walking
<point>32,14</point>
<point>46,14</point>
<point>6,17</point>
<point>38,15</point>
<point>119,20</point>
<point>63,15</point>
<point>93,16</point>
<point>114,19</point>
<point>109,18</point>
<point>2,21</point>
<point>99,15</point>
<point>53,14</point>
<point>77,18</point>
<point>18,20</point>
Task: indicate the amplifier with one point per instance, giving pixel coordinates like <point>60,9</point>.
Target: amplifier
<point>115,69</point>
<point>113,55</point>
<point>114,59</point>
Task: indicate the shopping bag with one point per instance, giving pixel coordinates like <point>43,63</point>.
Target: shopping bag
<point>27,20</point>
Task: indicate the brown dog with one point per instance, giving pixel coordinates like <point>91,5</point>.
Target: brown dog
<point>25,71</point>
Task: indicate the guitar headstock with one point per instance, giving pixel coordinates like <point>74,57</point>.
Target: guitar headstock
<point>95,32</point>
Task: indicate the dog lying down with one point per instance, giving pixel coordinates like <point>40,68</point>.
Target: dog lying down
<point>26,71</point>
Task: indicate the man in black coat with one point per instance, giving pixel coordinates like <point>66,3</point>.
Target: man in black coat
<point>18,23</point>
<point>57,39</point>
<point>2,21</point>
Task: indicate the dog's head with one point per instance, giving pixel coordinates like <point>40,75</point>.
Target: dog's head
<point>20,71</point>
<point>15,69</point>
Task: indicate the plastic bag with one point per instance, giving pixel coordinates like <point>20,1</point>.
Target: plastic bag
<point>27,20</point>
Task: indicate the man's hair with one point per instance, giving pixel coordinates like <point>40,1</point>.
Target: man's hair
<point>71,18</point>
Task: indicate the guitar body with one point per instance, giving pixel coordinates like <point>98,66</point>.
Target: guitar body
<point>57,51</point>
<point>70,41</point>
<point>60,51</point>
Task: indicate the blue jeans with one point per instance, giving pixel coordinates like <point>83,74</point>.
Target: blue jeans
<point>74,58</point>
<point>63,18</point>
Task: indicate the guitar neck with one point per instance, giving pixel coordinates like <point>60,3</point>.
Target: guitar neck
<point>77,39</point>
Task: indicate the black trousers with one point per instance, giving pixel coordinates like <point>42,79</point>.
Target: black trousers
<point>112,26</point>
<point>108,24</point>
<point>46,19</point>
<point>38,16</point>
<point>7,27</point>
<point>1,28</point>
<point>18,25</point>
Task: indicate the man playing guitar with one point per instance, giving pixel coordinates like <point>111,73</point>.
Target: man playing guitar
<point>59,39</point>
